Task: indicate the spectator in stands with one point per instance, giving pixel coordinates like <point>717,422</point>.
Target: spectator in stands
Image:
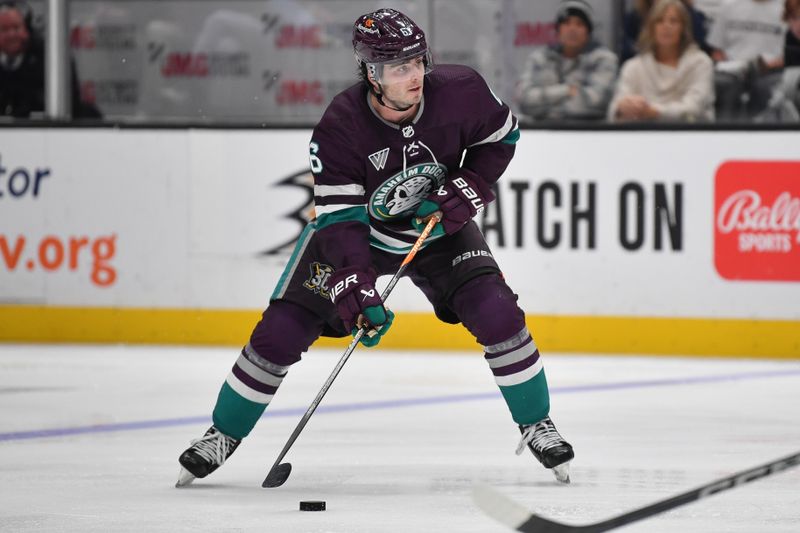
<point>747,39</point>
<point>632,25</point>
<point>22,66</point>
<point>573,79</point>
<point>670,79</point>
<point>791,46</point>
<point>784,105</point>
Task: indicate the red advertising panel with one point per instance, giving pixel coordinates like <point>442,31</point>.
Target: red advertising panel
<point>757,220</point>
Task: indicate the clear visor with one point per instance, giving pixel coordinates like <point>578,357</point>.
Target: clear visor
<point>401,71</point>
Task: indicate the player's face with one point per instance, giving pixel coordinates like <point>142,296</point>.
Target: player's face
<point>402,82</point>
<point>668,29</point>
<point>13,34</point>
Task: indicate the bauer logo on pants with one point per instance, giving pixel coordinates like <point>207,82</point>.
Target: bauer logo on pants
<point>757,220</point>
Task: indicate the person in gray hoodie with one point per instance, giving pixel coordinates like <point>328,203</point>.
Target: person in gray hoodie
<point>572,79</point>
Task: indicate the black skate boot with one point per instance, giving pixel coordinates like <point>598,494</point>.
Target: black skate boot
<point>205,455</point>
<point>550,448</point>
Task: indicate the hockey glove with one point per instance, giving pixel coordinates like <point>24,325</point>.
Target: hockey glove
<point>359,304</point>
<point>462,196</point>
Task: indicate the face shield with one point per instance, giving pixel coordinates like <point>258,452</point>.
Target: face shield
<point>402,70</point>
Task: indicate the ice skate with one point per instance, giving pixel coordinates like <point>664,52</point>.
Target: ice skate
<point>548,446</point>
<point>205,455</point>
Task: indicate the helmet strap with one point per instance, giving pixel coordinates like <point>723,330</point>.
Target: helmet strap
<point>379,96</point>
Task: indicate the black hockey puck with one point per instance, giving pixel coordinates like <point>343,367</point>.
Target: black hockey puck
<point>312,505</point>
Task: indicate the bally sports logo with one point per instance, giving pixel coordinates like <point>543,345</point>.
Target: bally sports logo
<point>757,220</point>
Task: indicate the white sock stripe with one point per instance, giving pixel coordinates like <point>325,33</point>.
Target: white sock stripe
<point>521,376</point>
<point>246,392</point>
<point>523,352</point>
<point>507,344</point>
<point>263,364</point>
<point>257,373</point>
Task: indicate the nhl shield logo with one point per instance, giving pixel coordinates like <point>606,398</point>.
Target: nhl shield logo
<point>408,131</point>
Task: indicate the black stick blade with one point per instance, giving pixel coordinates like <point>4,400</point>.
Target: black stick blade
<point>277,476</point>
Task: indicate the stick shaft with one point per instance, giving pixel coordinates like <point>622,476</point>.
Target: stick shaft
<point>709,489</point>
<point>533,523</point>
<point>352,346</point>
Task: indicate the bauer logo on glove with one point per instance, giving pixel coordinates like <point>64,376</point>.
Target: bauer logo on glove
<point>462,196</point>
<point>340,286</point>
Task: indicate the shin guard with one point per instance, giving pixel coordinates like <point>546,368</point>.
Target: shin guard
<point>283,334</point>
<point>246,393</point>
<point>519,373</point>
<point>488,308</point>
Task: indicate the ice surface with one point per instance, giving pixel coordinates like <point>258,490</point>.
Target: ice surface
<point>90,435</point>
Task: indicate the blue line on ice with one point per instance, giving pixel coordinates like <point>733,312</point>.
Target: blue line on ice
<point>390,404</point>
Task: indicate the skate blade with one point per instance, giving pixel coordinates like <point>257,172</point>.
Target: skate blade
<point>561,472</point>
<point>184,478</point>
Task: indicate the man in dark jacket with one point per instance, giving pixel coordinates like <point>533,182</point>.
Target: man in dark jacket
<point>22,67</point>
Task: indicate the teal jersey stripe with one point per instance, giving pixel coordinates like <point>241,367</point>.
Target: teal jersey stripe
<point>351,214</point>
<point>512,137</point>
<point>291,265</point>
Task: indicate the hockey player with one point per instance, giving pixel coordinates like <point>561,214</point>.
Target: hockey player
<point>386,156</point>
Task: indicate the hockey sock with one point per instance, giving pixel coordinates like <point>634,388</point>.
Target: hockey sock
<point>519,373</point>
<point>247,391</point>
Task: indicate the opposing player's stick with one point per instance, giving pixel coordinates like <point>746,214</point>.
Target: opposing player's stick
<point>516,516</point>
<point>279,472</point>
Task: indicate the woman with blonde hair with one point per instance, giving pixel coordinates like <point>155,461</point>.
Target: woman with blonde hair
<point>632,24</point>
<point>670,79</point>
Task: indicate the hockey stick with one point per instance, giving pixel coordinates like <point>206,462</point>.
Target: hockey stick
<point>516,516</point>
<point>279,472</point>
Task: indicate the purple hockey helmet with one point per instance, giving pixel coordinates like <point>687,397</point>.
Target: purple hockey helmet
<point>388,36</point>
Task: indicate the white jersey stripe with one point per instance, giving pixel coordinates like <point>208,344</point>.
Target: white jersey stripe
<point>390,241</point>
<point>499,134</point>
<point>328,209</point>
<point>352,189</point>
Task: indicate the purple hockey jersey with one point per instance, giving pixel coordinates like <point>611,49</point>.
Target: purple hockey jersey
<point>370,175</point>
